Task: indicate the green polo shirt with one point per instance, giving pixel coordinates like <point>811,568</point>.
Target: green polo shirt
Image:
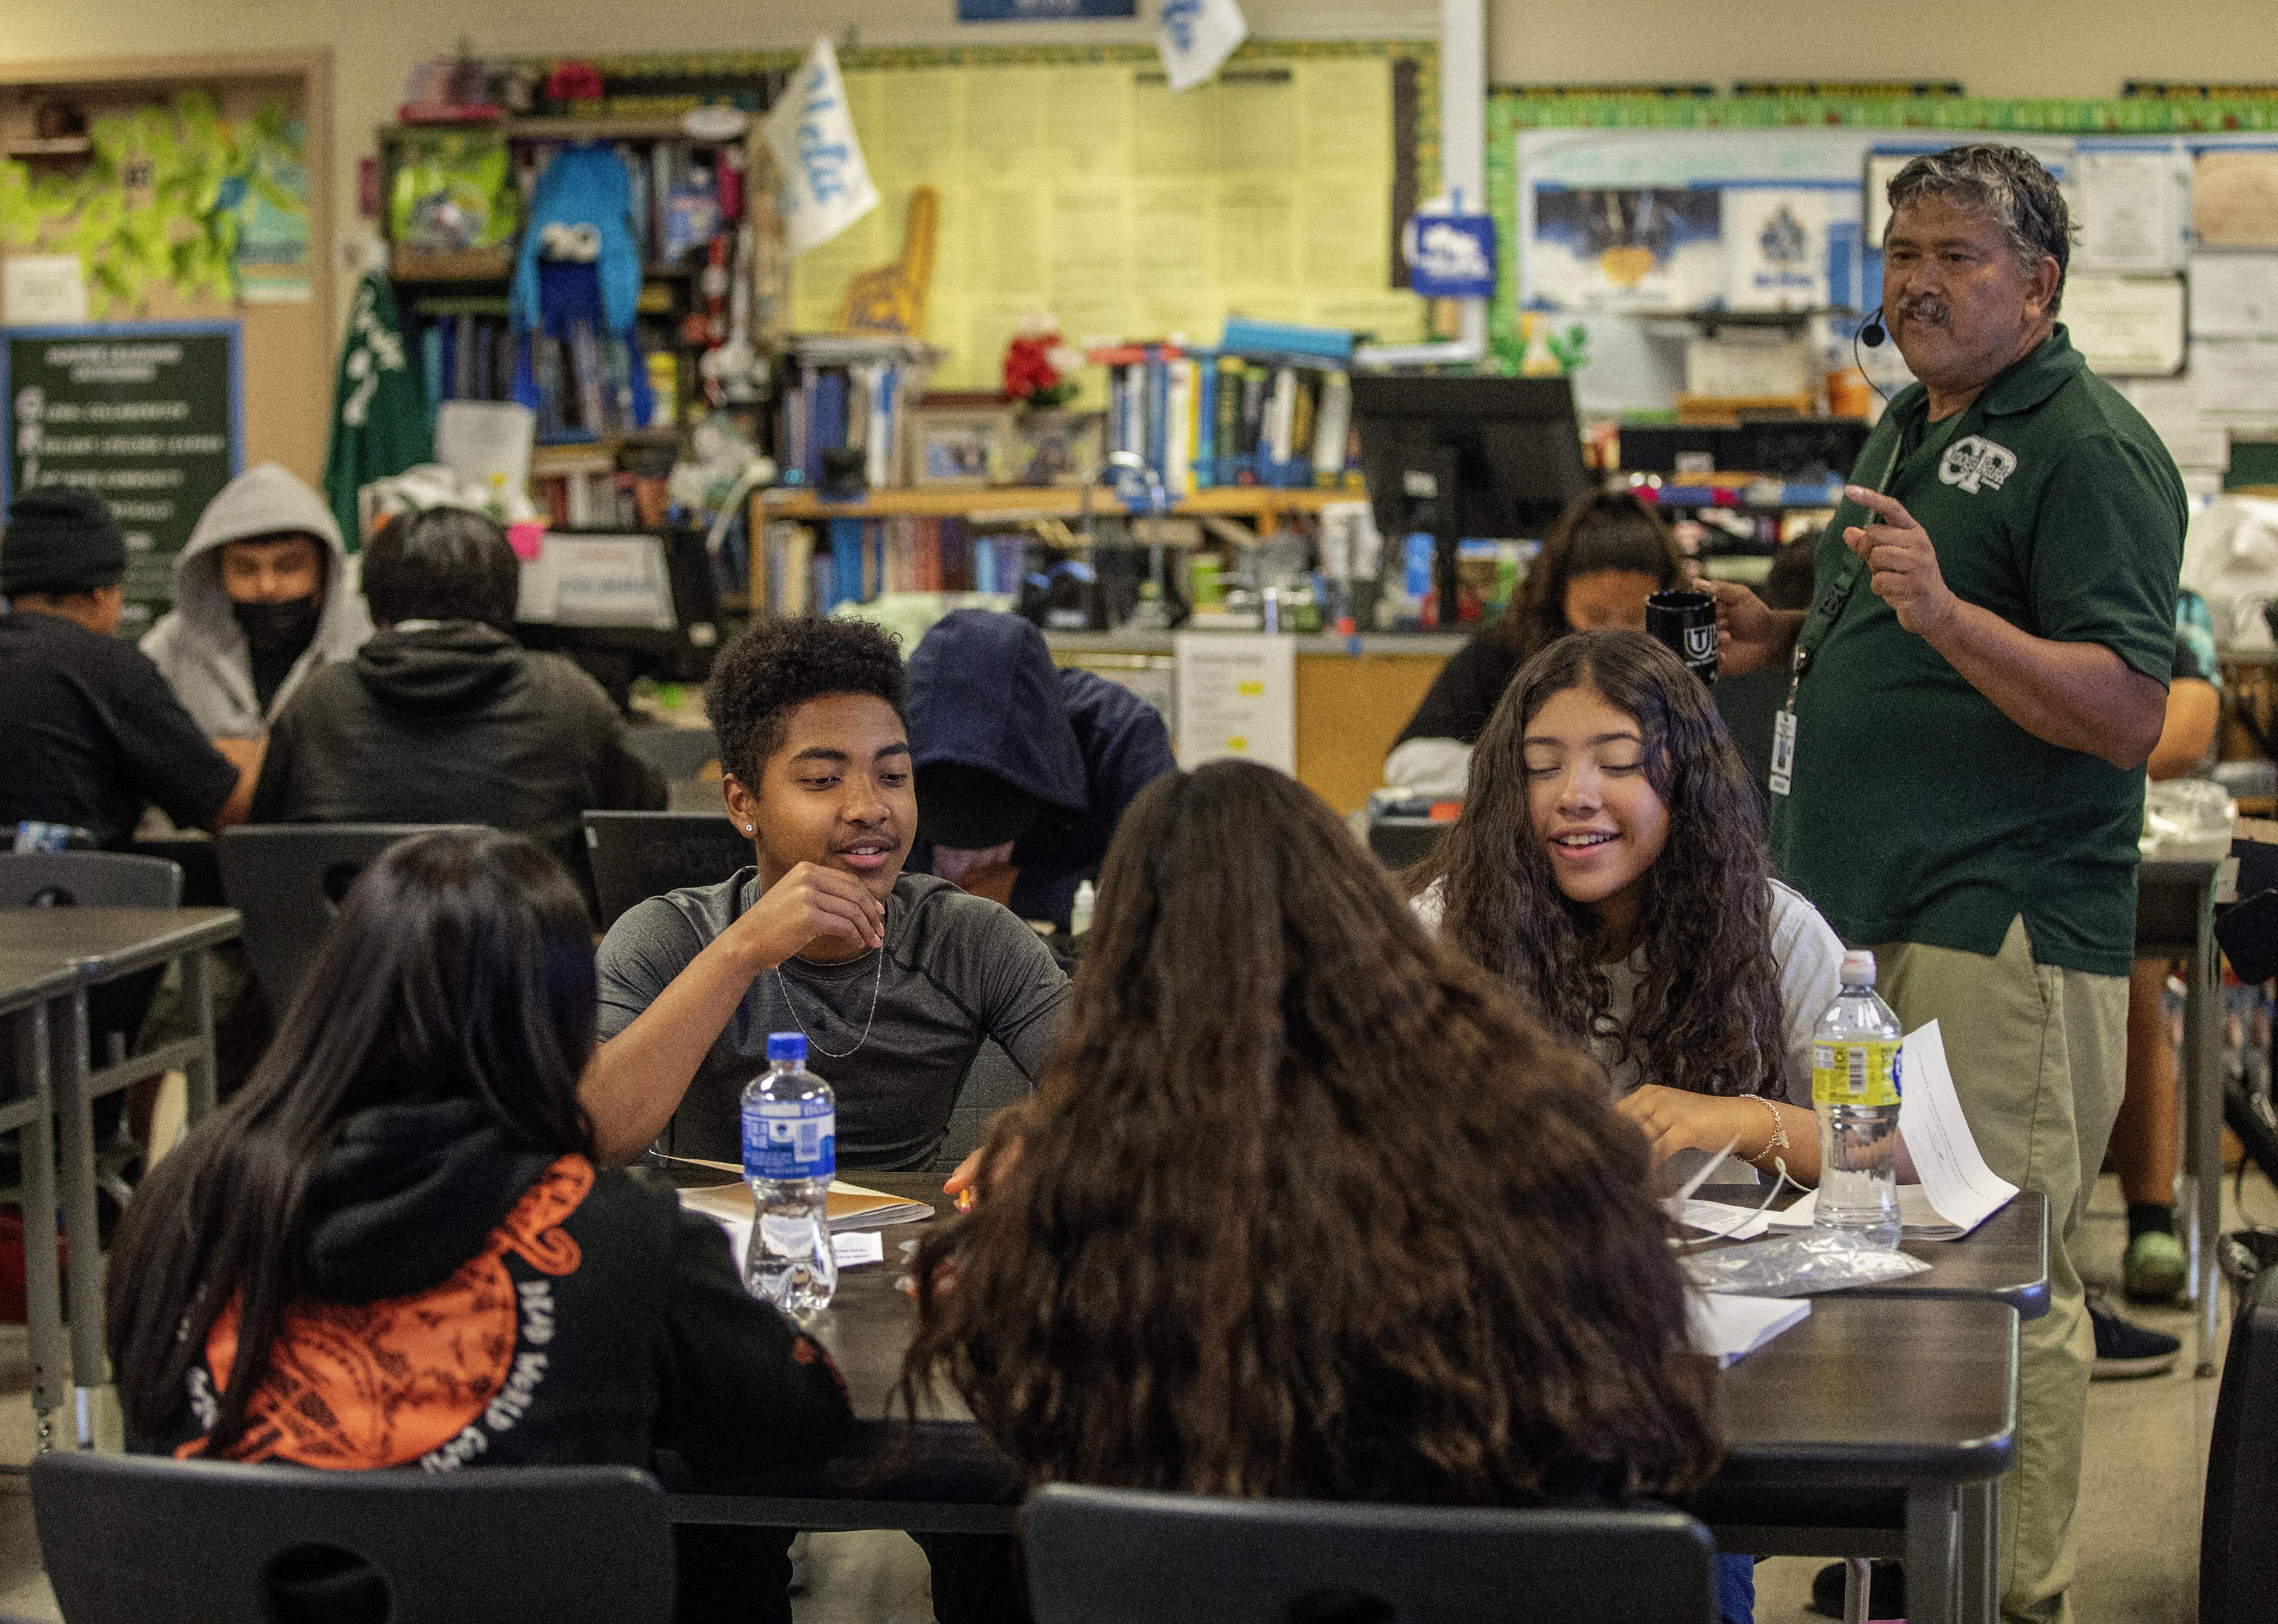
<point>1920,813</point>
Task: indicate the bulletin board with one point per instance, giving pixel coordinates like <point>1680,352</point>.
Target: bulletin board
<point>2175,271</point>
<point>1072,181</point>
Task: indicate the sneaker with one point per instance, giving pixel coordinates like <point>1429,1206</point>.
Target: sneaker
<point>1886,1595</point>
<point>2125,1350</point>
<point>2154,1271</point>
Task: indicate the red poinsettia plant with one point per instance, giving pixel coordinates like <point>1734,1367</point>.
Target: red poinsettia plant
<point>1036,363</point>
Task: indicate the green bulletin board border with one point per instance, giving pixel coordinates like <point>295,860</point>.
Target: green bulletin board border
<point>1508,113</point>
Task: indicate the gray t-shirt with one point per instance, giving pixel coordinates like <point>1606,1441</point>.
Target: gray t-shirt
<point>958,968</point>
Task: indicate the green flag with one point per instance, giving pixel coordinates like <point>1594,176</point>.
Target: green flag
<point>379,411</point>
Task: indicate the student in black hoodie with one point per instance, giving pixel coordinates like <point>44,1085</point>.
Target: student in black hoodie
<point>395,1246</point>
<point>442,717</point>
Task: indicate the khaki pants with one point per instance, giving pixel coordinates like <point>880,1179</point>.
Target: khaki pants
<point>2039,1057</point>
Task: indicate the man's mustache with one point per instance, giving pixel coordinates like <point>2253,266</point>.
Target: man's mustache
<point>1923,308</point>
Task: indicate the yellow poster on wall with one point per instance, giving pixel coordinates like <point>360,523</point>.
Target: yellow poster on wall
<point>1091,191</point>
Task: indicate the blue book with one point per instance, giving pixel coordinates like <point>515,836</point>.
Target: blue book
<point>1286,338</point>
<point>1205,419</point>
<point>984,564</point>
<point>845,563</point>
<point>1158,393</point>
<point>829,427</point>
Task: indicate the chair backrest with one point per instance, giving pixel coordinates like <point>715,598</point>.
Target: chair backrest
<point>638,855</point>
<point>678,753</point>
<point>1111,1556</point>
<point>2238,1526</point>
<point>287,880</point>
<point>137,1537</point>
<point>1403,842</point>
<point>88,879</point>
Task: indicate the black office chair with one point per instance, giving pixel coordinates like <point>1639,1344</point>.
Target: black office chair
<point>1111,1556</point>
<point>2238,1527</point>
<point>638,855</point>
<point>130,1538</point>
<point>88,879</point>
<point>287,880</point>
<point>1403,842</point>
<point>678,753</point>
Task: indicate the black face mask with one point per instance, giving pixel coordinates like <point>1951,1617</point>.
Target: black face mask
<point>278,628</point>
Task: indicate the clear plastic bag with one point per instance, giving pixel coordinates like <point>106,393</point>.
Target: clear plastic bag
<point>1799,1265</point>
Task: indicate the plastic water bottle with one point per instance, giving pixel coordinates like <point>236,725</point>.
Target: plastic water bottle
<point>1079,911</point>
<point>1854,1086</point>
<point>790,1149</point>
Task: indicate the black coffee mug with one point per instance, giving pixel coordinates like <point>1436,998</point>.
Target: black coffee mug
<point>1684,623</point>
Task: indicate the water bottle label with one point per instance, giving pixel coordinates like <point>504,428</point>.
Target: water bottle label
<point>791,1138</point>
<point>1855,1074</point>
<point>784,1237</point>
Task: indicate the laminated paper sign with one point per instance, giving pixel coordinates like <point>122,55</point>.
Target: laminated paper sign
<point>1237,696</point>
<point>826,185</point>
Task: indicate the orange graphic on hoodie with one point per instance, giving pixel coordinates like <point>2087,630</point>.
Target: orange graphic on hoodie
<point>357,1386</point>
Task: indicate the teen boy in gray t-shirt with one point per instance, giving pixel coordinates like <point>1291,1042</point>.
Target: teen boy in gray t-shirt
<point>896,979</point>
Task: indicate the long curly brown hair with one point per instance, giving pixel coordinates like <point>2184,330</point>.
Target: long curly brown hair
<point>1707,1012</point>
<point>1599,531</point>
<point>1305,1206</point>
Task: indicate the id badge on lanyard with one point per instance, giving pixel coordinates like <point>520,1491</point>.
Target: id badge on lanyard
<point>1816,628</point>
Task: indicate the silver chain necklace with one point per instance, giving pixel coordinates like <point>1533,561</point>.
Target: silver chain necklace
<point>876,982</point>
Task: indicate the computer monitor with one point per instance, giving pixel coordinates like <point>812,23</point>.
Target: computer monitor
<point>1460,457</point>
<point>622,604</point>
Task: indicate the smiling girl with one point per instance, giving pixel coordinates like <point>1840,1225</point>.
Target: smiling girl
<point>1610,865</point>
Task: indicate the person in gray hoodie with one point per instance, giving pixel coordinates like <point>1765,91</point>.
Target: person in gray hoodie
<point>263,595</point>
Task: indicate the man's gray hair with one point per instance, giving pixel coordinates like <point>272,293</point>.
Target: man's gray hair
<point>2007,183</point>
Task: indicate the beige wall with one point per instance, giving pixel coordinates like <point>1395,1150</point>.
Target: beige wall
<point>2026,48</point>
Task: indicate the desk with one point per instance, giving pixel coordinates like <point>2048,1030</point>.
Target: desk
<point>33,987</point>
<point>1875,1427</point>
<point>2004,1260</point>
<point>98,944</point>
<point>2175,919</point>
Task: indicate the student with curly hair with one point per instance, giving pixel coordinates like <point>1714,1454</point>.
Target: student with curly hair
<point>1609,865</point>
<point>1305,1206</point>
<point>1607,552</point>
<point>895,978</point>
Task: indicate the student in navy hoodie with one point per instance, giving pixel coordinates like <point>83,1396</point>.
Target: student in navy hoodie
<point>1023,767</point>
<point>394,1247</point>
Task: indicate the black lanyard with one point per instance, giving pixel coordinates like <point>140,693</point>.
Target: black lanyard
<point>1828,608</point>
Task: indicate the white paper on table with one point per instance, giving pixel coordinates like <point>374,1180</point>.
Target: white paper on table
<point>1719,1218</point>
<point>1957,1191</point>
<point>2130,210</point>
<point>43,290</point>
<point>2234,295</point>
<point>1727,1327</point>
<point>855,1247</point>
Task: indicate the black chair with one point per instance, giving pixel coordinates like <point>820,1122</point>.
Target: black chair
<point>88,879</point>
<point>678,753</point>
<point>2238,1527</point>
<point>1111,1556</point>
<point>638,855</point>
<point>1403,842</point>
<point>130,1538</point>
<point>287,880</point>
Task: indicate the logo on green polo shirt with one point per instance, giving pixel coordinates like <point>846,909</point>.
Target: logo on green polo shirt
<point>1974,461</point>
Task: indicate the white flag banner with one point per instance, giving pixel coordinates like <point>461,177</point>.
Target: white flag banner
<point>1196,37</point>
<point>826,186</point>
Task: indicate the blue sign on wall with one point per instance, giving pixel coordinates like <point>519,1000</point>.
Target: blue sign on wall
<point>1042,10</point>
<point>1450,255</point>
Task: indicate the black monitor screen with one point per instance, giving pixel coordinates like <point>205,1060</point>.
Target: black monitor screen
<point>1515,445</point>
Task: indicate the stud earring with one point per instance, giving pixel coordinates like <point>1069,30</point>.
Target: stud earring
<point>751,829</point>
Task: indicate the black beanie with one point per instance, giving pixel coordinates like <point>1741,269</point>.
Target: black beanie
<point>60,539</point>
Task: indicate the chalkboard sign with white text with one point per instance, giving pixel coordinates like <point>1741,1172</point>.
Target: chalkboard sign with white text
<point>148,417</point>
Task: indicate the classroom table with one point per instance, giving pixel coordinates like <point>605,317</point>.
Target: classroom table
<point>2005,1258</point>
<point>34,989</point>
<point>1874,1428</point>
<point>99,945</point>
<point>2175,919</point>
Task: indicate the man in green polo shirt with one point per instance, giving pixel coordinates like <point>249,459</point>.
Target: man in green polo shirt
<point>1958,775</point>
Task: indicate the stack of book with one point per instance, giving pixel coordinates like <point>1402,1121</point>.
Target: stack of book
<point>849,393</point>
<point>810,569</point>
<point>1270,406</point>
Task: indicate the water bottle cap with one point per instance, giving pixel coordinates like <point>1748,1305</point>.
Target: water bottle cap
<point>787,1047</point>
<point>1859,968</point>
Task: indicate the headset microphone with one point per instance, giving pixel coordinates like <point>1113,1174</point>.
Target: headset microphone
<point>1872,333</point>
